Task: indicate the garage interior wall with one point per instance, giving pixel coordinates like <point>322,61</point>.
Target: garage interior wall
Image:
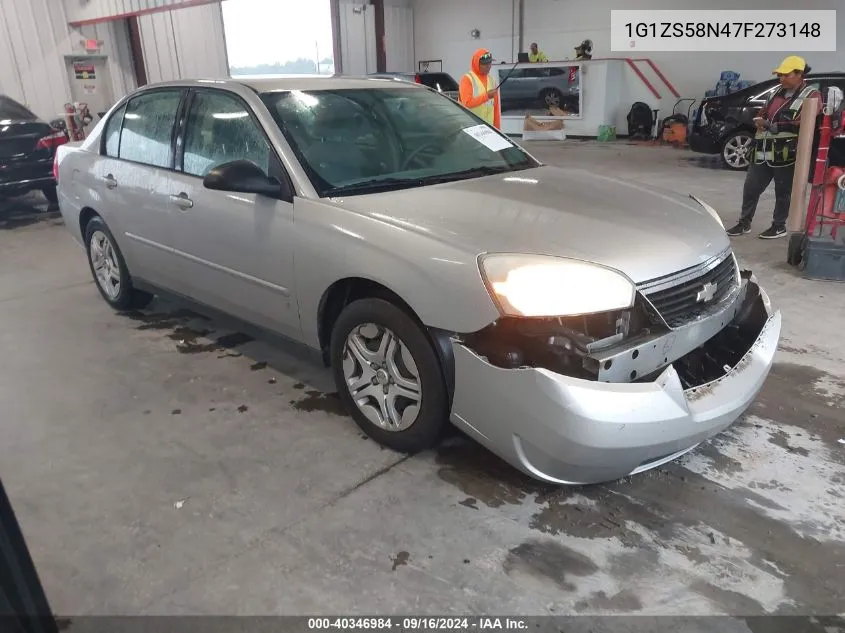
<point>35,36</point>
<point>82,10</point>
<point>357,46</point>
<point>186,42</point>
<point>442,31</point>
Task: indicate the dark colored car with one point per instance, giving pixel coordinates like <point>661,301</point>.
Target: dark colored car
<point>441,82</point>
<point>27,148</point>
<point>723,125</point>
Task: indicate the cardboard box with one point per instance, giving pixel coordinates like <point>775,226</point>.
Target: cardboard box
<point>536,130</point>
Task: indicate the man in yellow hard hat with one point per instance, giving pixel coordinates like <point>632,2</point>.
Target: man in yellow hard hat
<point>536,55</point>
<point>776,146</point>
<point>478,90</point>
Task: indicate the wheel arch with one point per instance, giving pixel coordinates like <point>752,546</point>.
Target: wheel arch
<point>344,291</point>
<point>86,214</point>
<point>742,127</point>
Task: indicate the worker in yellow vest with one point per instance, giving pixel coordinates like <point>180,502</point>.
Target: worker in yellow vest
<point>536,55</point>
<point>478,90</point>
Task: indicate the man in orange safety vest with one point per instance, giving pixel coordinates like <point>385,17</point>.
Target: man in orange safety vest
<point>479,92</point>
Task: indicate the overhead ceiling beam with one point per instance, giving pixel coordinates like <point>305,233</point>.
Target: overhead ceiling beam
<point>99,17</point>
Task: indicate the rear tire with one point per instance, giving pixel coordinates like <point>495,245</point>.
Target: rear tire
<point>51,194</point>
<point>736,150</point>
<point>109,269</point>
<point>382,355</point>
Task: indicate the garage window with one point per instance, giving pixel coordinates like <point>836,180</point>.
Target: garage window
<point>148,128</point>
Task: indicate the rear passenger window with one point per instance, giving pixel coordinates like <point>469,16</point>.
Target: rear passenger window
<point>148,128</point>
<point>220,129</point>
<point>113,132</point>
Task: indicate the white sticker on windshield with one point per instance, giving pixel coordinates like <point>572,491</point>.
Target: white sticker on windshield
<point>488,137</point>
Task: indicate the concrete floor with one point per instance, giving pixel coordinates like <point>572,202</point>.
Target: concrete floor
<point>159,466</point>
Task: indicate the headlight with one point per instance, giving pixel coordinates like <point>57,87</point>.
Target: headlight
<point>545,286</point>
<point>709,210</point>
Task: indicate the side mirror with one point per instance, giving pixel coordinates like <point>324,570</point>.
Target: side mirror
<point>242,176</point>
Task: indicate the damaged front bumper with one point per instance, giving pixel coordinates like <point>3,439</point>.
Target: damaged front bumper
<point>569,430</point>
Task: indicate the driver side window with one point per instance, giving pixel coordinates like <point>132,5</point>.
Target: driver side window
<point>219,130</point>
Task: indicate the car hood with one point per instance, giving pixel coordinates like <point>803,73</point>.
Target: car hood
<point>643,232</point>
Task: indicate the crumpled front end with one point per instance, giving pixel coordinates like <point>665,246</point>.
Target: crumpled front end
<point>578,411</point>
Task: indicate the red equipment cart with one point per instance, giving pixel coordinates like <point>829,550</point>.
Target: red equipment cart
<point>819,251</point>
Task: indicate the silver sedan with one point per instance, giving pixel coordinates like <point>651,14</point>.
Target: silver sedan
<point>580,326</point>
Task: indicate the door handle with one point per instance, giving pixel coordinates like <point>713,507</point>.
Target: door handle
<point>182,201</point>
<point>111,183</point>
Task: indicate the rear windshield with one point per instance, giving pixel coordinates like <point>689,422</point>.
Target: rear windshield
<point>439,81</point>
<point>11,109</point>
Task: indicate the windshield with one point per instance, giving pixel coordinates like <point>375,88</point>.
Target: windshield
<point>377,139</point>
<point>10,109</point>
<point>439,81</point>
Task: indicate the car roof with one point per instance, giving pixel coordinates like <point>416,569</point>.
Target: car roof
<point>291,82</point>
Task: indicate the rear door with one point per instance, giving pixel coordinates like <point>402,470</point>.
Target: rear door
<point>134,178</point>
<point>236,250</point>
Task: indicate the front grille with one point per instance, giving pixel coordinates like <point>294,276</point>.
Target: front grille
<point>680,303</point>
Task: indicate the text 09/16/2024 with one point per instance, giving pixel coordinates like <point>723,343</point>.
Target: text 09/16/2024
<point>725,30</point>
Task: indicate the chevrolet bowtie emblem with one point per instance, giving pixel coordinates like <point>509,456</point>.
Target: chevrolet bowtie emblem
<point>707,292</point>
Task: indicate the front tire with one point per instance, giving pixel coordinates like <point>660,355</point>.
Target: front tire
<point>736,151</point>
<point>109,269</point>
<point>388,376</point>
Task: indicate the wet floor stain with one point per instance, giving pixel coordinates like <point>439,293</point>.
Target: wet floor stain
<point>400,559</point>
<point>671,508</point>
<point>176,412</point>
<point>625,601</point>
<point>483,476</point>
<point>793,393</point>
<point>469,502</point>
<point>549,560</point>
<point>243,408</point>
<point>318,401</point>
<point>161,320</point>
<point>780,438</point>
<point>220,344</point>
<point>299,386</point>
<point>728,601</point>
<point>258,366</point>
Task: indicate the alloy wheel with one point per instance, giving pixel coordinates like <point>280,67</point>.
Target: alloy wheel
<point>382,377</point>
<point>736,151</point>
<point>105,264</point>
<point>552,99</point>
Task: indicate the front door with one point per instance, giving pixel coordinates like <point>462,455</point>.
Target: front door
<point>236,249</point>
